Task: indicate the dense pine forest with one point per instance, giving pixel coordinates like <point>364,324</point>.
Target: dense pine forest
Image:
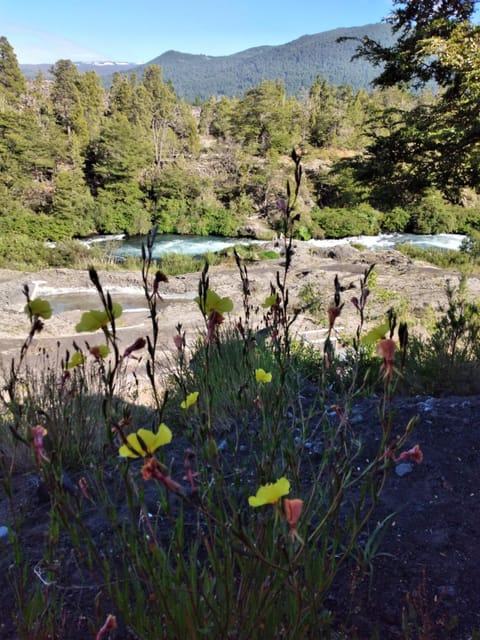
<point>77,159</point>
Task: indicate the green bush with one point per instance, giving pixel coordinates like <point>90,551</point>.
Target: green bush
<point>447,362</point>
<point>339,223</point>
<point>396,220</point>
<point>17,250</point>
<point>434,214</point>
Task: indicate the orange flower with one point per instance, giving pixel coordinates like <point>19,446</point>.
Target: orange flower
<point>151,471</point>
<point>109,625</point>
<point>293,510</point>
<point>386,349</point>
<point>38,434</point>
<point>415,454</point>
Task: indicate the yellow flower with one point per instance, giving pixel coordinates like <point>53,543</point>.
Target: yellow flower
<point>190,400</point>
<point>143,443</point>
<point>270,493</point>
<point>262,376</point>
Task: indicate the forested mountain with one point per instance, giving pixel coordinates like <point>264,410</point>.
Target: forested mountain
<point>296,63</point>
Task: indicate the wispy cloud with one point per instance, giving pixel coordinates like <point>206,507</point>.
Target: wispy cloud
<point>35,46</point>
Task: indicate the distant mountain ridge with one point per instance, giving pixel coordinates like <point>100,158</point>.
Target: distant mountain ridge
<point>102,67</point>
<point>297,64</point>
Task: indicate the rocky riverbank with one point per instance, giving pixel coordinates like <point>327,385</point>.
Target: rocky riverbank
<point>415,289</point>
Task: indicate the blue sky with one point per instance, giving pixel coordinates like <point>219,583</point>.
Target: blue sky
<point>140,30</point>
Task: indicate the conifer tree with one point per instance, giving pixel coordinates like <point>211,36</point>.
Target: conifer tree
<point>12,81</point>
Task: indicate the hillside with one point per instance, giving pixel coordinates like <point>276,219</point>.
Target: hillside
<point>297,63</point>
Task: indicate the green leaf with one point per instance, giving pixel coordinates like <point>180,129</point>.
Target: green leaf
<point>376,334</point>
<point>38,307</point>
<point>270,301</point>
<point>103,350</point>
<point>94,320</point>
<point>76,360</point>
<point>213,302</point>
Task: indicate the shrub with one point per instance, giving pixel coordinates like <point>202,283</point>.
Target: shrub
<point>340,223</point>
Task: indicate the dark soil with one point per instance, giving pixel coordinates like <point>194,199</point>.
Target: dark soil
<point>425,568</point>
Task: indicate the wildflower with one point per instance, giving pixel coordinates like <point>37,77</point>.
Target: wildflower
<point>109,625</point>
<point>136,346</point>
<point>151,471</point>
<point>76,360</point>
<point>179,341</point>
<point>38,308</point>
<point>415,454</point>
<point>333,313</point>
<point>144,443</point>
<point>213,302</point>
<point>93,320</point>
<point>38,434</point>
<point>99,351</point>
<point>386,349</point>
<point>293,510</point>
<point>215,319</point>
<point>159,277</point>
<point>270,493</point>
<point>83,486</point>
<point>190,475</point>
<point>62,383</point>
<point>263,376</point>
<point>190,400</point>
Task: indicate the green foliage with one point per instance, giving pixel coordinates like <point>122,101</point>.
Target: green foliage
<point>395,220</point>
<point>436,142</point>
<point>75,161</point>
<point>433,214</point>
<point>266,120</point>
<point>18,250</point>
<point>439,257</point>
<point>339,223</point>
<point>313,301</point>
<point>447,361</point>
<point>12,82</point>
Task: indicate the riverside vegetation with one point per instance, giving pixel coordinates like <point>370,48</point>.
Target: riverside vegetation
<point>78,159</point>
<point>253,513</point>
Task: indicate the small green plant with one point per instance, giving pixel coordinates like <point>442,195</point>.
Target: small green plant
<point>447,360</point>
<point>312,300</point>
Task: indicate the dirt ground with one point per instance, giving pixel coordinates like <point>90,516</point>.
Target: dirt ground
<point>426,566</point>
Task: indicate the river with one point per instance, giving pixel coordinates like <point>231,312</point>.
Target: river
<point>120,247</point>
